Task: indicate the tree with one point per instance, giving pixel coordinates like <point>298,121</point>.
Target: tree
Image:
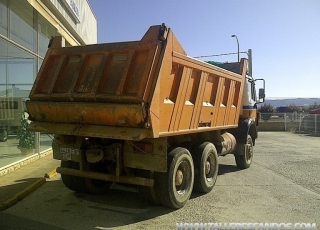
<point>314,106</point>
<point>266,111</point>
<point>266,108</point>
<point>293,108</point>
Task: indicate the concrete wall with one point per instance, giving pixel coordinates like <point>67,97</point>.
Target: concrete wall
<point>77,23</point>
<point>278,126</point>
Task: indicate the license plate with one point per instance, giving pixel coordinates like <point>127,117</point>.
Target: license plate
<point>70,151</point>
<point>66,156</point>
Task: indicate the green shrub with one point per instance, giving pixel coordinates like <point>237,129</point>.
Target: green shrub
<point>25,137</point>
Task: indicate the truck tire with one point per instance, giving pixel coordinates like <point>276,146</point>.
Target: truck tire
<point>174,187</point>
<point>206,167</point>
<point>147,193</point>
<point>94,186</point>
<point>244,154</point>
<point>3,135</point>
<point>73,183</point>
<point>81,184</point>
<point>67,179</point>
<point>78,183</point>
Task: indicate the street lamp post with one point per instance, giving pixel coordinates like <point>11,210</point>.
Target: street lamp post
<point>235,36</point>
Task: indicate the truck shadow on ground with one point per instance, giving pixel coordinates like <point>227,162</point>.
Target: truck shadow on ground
<point>9,221</point>
<point>224,169</point>
<point>128,196</point>
<point>124,205</point>
<point>126,202</point>
<point>119,207</point>
<point>8,191</point>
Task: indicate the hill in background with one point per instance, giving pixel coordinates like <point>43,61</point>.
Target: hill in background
<point>289,101</point>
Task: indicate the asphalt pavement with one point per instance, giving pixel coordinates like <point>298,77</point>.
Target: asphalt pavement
<point>281,186</point>
<point>16,185</point>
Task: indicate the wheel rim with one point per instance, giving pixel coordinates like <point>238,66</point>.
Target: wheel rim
<point>179,177</point>
<point>209,167</point>
<point>249,152</point>
<point>182,178</point>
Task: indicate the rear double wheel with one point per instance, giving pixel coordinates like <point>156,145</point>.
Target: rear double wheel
<point>174,187</point>
<point>148,193</point>
<point>206,166</point>
<point>82,184</point>
<point>68,180</point>
<point>94,186</point>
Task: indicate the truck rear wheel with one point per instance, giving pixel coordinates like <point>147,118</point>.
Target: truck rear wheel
<point>73,183</point>
<point>67,179</point>
<point>147,193</point>
<point>244,154</point>
<point>81,184</point>
<point>174,187</point>
<point>95,186</point>
<point>206,167</point>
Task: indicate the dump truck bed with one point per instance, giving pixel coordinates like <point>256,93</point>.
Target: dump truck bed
<point>133,90</point>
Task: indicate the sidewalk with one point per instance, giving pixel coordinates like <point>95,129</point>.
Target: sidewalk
<point>16,185</point>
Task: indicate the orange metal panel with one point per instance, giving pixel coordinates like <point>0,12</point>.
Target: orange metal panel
<point>114,132</point>
<point>208,109</point>
<point>198,92</point>
<point>196,64</point>
<point>132,115</point>
<point>83,73</point>
<point>246,113</point>
<point>230,107</point>
<point>90,75</point>
<point>180,98</point>
<point>221,103</point>
<point>117,65</point>
<point>149,84</point>
<point>236,101</point>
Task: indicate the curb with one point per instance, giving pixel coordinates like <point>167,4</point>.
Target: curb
<point>21,163</point>
<point>25,192</point>
<point>50,174</point>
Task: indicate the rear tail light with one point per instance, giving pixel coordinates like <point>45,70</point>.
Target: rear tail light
<point>142,147</point>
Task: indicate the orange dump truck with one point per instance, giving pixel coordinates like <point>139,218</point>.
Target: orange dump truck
<point>143,113</point>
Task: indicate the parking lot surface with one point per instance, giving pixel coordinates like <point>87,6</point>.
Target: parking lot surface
<point>281,186</point>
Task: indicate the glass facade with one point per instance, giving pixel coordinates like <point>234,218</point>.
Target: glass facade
<point>22,26</point>
<point>24,39</point>
<point>3,17</point>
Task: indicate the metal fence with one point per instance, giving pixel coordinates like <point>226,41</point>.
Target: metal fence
<point>298,122</point>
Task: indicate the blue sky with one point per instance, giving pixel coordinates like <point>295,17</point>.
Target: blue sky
<point>284,35</point>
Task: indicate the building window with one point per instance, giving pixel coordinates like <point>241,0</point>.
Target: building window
<point>45,30</point>
<point>22,28</point>
<point>4,17</point>
<point>16,65</point>
<point>25,35</point>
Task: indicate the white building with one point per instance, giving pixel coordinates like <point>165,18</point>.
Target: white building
<point>26,27</point>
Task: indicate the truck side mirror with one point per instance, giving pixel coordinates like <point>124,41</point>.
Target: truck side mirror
<point>261,95</point>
